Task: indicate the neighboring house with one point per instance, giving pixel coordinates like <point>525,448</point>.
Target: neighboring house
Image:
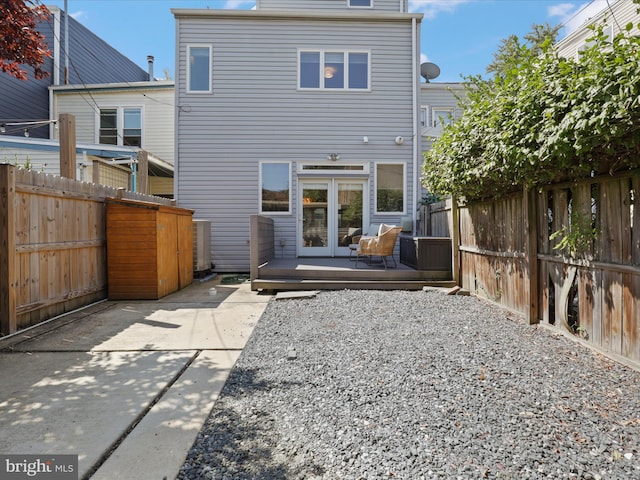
<point>114,104</point>
<point>304,111</point>
<point>137,114</point>
<point>89,60</point>
<point>105,164</point>
<point>438,108</point>
<point>614,18</point>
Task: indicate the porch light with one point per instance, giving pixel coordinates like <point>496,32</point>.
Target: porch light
<point>333,157</point>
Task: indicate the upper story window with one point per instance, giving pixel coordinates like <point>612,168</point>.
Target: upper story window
<point>199,69</point>
<point>441,117</point>
<point>343,70</point>
<point>423,117</point>
<point>120,126</point>
<point>360,3</point>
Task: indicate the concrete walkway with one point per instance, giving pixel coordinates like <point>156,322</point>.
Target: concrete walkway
<point>124,385</point>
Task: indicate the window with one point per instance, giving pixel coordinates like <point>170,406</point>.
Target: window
<point>324,168</point>
<point>441,117</point>
<point>275,187</point>
<point>423,116</point>
<point>120,126</point>
<point>360,3</point>
<point>390,188</point>
<point>108,126</point>
<point>199,69</point>
<point>334,70</point>
<point>132,127</point>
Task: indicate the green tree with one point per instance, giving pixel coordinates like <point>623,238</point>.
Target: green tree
<point>510,48</point>
<point>544,118</point>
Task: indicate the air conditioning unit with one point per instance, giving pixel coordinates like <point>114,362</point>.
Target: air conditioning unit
<point>201,245</point>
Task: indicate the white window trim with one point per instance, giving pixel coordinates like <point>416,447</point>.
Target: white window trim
<point>360,6</point>
<point>424,112</point>
<point>210,48</point>
<point>346,70</point>
<point>404,189</point>
<point>301,169</point>
<point>119,122</point>
<point>268,162</point>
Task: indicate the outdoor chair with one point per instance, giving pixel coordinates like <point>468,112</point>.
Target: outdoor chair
<point>374,229</point>
<point>382,245</point>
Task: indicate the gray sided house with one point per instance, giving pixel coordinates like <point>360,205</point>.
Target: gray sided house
<point>89,60</point>
<point>438,108</point>
<point>303,111</point>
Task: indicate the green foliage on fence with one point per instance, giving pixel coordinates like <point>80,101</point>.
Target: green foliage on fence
<point>543,119</point>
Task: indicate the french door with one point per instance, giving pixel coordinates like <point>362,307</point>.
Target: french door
<point>330,212</point>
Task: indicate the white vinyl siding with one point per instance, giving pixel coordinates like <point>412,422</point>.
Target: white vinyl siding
<point>618,14</point>
<point>157,106</point>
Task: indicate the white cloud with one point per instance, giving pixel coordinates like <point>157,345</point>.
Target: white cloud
<point>79,15</point>
<point>423,58</point>
<point>431,8</point>
<point>234,4</point>
<point>563,10</point>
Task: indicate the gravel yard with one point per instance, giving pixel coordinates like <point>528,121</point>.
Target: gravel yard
<point>394,384</point>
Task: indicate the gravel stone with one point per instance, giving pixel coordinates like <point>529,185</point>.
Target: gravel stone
<point>416,385</point>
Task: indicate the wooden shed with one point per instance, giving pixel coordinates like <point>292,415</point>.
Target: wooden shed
<point>149,249</point>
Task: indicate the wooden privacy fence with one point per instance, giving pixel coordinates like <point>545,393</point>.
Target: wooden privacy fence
<point>52,245</point>
<point>567,255</point>
<point>434,219</point>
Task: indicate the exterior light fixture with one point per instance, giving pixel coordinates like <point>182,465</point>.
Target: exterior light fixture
<point>26,132</point>
<point>365,139</point>
<point>333,157</point>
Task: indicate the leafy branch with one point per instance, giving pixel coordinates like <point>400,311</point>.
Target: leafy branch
<point>543,118</point>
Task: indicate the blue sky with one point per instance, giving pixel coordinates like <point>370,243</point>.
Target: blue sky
<point>460,36</point>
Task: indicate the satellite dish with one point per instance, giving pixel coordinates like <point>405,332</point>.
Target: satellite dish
<point>429,71</point>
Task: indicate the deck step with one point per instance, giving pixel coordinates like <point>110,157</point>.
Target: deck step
<point>281,284</point>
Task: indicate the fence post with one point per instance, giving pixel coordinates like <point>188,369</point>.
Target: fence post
<point>529,212</point>
<point>67,130</point>
<point>142,172</point>
<point>8,322</point>
<point>455,240</point>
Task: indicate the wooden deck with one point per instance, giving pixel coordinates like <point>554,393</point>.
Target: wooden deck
<point>340,273</point>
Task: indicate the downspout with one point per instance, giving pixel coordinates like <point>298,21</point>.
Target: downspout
<point>134,175</point>
<point>176,116</point>
<point>416,138</point>
<point>56,47</point>
<point>56,68</point>
<point>66,43</point>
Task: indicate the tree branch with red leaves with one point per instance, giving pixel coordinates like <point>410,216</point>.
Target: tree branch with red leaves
<point>20,43</point>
